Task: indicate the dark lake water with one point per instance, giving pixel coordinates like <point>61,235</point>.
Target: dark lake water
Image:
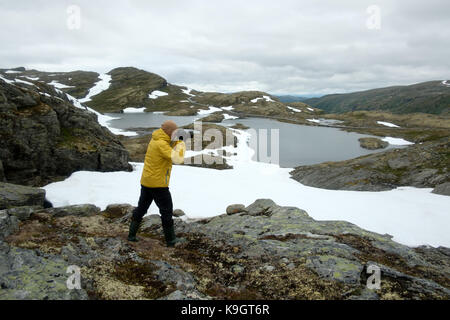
<point>305,145</point>
<point>298,144</point>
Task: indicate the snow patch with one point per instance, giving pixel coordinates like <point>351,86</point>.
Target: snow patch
<point>313,120</point>
<point>230,108</point>
<point>229,117</point>
<point>6,80</point>
<point>58,85</point>
<point>267,98</point>
<point>397,141</point>
<point>445,83</point>
<point>188,92</point>
<point>102,119</point>
<point>209,111</point>
<point>100,86</point>
<point>25,82</point>
<point>156,94</point>
<point>294,109</point>
<point>12,71</point>
<point>134,110</point>
<point>388,124</point>
<point>310,109</point>
<point>13,82</point>
<point>32,78</point>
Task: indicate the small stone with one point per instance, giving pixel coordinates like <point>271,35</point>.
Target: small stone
<point>268,268</point>
<point>150,221</point>
<point>285,260</point>
<point>236,269</point>
<point>235,208</point>
<point>261,207</point>
<point>290,266</point>
<point>84,210</point>
<point>178,213</point>
<point>114,211</point>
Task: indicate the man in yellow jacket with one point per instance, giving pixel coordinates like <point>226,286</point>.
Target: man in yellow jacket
<point>163,150</point>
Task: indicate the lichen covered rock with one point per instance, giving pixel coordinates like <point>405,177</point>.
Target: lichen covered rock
<point>265,251</point>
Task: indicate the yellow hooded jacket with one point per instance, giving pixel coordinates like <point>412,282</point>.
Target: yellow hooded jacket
<point>161,152</point>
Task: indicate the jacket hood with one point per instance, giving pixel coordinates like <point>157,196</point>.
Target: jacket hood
<point>160,135</point>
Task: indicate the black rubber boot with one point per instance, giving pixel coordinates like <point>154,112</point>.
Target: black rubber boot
<point>134,227</point>
<point>169,235</point>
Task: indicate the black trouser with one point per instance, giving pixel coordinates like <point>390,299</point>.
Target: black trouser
<point>163,200</point>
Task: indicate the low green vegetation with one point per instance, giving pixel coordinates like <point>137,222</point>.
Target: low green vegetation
<point>428,97</point>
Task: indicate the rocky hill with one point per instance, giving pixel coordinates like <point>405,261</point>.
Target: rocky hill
<point>129,87</point>
<point>427,97</point>
<point>44,137</point>
<point>76,83</point>
<point>134,88</point>
<point>263,251</point>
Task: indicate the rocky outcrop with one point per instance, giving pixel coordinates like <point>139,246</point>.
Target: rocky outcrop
<point>372,143</point>
<point>130,87</point>
<point>240,126</point>
<point>12,195</point>
<point>214,117</point>
<point>44,137</point>
<point>443,188</point>
<point>17,203</point>
<point>235,208</point>
<point>263,251</point>
<point>420,165</point>
<point>208,161</point>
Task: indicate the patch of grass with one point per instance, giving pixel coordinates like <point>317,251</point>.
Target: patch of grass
<point>133,273</point>
<point>74,139</point>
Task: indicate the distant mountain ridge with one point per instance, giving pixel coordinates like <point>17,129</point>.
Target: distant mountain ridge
<point>294,98</point>
<point>426,97</point>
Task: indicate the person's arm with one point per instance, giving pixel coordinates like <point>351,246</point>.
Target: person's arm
<point>176,154</point>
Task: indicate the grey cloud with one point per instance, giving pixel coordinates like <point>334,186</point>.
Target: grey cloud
<point>295,47</point>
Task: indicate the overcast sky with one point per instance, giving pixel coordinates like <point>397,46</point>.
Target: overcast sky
<point>281,47</point>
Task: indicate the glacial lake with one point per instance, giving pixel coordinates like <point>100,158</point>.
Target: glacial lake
<point>298,144</point>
